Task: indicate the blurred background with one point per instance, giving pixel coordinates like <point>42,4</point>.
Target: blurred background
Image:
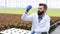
<point>18,6</point>
<point>23,3</point>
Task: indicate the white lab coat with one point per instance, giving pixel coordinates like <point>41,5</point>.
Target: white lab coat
<point>43,26</point>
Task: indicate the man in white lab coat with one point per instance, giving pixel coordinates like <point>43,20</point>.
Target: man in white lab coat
<point>40,20</point>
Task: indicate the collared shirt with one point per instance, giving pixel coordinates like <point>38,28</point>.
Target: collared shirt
<point>40,18</point>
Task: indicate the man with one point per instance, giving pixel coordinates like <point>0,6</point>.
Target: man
<point>40,21</point>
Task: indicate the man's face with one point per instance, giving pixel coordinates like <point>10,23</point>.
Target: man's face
<point>41,10</point>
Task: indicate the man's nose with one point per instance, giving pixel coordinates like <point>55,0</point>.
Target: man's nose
<point>39,9</point>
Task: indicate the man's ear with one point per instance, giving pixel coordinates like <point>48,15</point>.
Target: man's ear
<point>45,10</point>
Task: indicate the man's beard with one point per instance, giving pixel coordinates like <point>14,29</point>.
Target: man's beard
<point>40,13</point>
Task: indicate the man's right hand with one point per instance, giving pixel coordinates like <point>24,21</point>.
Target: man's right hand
<point>28,8</point>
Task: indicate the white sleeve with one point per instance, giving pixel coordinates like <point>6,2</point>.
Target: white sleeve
<point>46,27</point>
<point>25,17</point>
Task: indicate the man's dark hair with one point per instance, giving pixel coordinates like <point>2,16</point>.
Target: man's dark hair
<point>42,4</point>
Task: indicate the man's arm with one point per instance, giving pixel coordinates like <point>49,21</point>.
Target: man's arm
<point>25,17</point>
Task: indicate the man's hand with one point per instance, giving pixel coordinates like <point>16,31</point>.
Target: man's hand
<point>33,32</point>
<point>28,8</point>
